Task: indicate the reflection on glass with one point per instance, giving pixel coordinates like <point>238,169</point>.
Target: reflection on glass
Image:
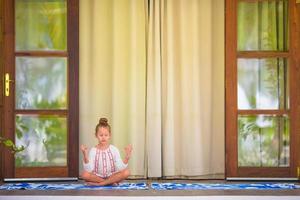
<point>263,25</point>
<point>262,83</point>
<point>44,139</point>
<point>41,24</point>
<point>41,83</point>
<point>263,141</point>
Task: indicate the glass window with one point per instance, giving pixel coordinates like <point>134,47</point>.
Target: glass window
<point>41,83</point>
<point>41,25</point>
<point>263,141</point>
<point>262,83</point>
<point>263,25</point>
<point>44,139</point>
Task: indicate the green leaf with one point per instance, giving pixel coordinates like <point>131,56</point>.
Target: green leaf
<point>8,143</point>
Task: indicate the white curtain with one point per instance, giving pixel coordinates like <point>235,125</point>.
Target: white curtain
<point>180,132</point>
<point>155,70</point>
<point>113,73</point>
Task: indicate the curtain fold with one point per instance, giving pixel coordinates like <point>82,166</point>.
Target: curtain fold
<point>217,147</point>
<point>180,61</point>
<point>151,67</point>
<point>154,92</point>
<point>186,88</point>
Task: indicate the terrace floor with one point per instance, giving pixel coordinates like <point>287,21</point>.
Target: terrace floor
<point>153,194</point>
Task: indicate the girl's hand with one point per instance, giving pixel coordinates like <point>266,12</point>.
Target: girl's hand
<point>128,151</point>
<point>84,149</point>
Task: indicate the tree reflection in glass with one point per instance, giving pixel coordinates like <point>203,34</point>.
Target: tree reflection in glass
<point>263,25</point>
<point>44,139</point>
<point>263,141</point>
<point>262,83</point>
<point>41,25</point>
<point>41,83</point>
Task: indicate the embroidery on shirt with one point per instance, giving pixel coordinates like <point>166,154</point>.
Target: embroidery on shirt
<point>104,164</point>
<point>96,166</point>
<point>112,163</point>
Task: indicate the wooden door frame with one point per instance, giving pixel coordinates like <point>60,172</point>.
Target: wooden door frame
<point>296,57</point>
<point>230,88</point>
<point>1,82</point>
<point>231,111</point>
<point>8,54</point>
<point>8,167</point>
<point>73,100</point>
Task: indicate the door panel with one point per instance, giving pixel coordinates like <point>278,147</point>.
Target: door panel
<point>261,98</point>
<point>39,112</point>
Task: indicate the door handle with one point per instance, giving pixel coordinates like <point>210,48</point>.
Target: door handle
<point>7,81</point>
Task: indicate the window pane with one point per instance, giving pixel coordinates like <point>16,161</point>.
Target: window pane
<point>262,83</point>
<point>44,139</point>
<point>41,24</point>
<point>263,25</point>
<point>41,83</point>
<point>263,141</point>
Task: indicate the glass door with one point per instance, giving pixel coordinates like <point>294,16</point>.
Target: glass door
<point>261,98</point>
<point>43,65</point>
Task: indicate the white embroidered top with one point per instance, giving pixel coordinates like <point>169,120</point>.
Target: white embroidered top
<point>105,162</point>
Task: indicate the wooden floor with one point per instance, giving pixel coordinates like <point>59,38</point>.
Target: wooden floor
<point>152,194</point>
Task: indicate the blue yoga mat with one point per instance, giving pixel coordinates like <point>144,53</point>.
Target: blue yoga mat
<point>217,186</point>
<point>154,186</point>
<point>60,186</point>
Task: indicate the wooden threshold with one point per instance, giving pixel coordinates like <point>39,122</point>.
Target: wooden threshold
<point>41,172</point>
<point>271,172</point>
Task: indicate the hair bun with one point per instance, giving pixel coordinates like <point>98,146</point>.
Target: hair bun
<point>103,121</point>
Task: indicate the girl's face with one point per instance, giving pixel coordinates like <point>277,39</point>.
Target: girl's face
<point>103,136</point>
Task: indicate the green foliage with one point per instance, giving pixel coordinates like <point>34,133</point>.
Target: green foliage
<point>263,141</point>
<point>41,25</point>
<point>263,26</point>
<point>247,126</point>
<point>41,82</point>
<point>53,130</point>
<point>10,145</point>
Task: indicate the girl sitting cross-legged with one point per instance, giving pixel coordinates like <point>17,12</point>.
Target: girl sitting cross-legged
<point>103,164</point>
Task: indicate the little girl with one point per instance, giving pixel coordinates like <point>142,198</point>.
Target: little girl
<point>103,164</point>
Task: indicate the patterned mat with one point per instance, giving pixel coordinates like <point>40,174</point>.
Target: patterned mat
<point>60,186</point>
<point>154,186</point>
<point>212,186</point>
